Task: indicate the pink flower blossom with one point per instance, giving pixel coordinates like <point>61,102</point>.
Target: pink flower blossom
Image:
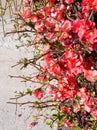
<point>94,113</point>
<point>38,94</point>
<point>27,13</point>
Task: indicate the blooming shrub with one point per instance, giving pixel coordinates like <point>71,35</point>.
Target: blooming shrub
<point>66,31</point>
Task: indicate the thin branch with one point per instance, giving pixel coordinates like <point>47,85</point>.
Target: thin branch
<point>15,65</point>
<point>39,68</point>
<point>91,14</point>
<point>38,115</point>
<point>21,31</point>
<point>34,60</point>
<point>69,18</point>
<point>25,78</point>
<point>19,96</point>
<point>20,103</point>
<point>16,108</point>
<point>31,61</point>
<point>36,104</point>
<point>45,106</point>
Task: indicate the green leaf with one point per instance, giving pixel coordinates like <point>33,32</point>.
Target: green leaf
<point>29,91</point>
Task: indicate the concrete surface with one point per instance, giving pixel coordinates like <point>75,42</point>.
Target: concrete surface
<point>9,55</point>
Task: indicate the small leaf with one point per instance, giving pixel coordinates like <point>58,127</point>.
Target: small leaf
<point>29,91</point>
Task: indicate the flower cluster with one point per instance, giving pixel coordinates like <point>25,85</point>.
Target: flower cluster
<point>67,30</point>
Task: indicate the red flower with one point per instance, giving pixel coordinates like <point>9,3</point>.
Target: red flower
<point>27,13</point>
<point>38,94</point>
<point>67,123</point>
<point>91,4</point>
<point>26,2</point>
<point>74,64</point>
<point>69,1</point>
<point>72,82</point>
<point>38,37</point>
<point>50,89</point>
<point>94,114</point>
<point>65,110</point>
<point>91,36</point>
<point>66,26</point>
<point>51,1</point>
<point>61,7</point>
<point>76,108</point>
<point>34,18</point>
<point>55,68</point>
<point>50,24</point>
<point>89,104</point>
<point>49,35</point>
<point>82,94</point>
<point>90,75</point>
<point>39,26</point>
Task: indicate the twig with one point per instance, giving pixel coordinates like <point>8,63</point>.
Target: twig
<point>32,61</point>
<point>69,17</point>
<point>19,96</point>
<point>53,105</point>
<point>14,31</point>
<point>25,78</point>
<point>15,65</point>
<point>37,105</point>
<point>91,14</point>
<point>16,108</point>
<point>30,102</point>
